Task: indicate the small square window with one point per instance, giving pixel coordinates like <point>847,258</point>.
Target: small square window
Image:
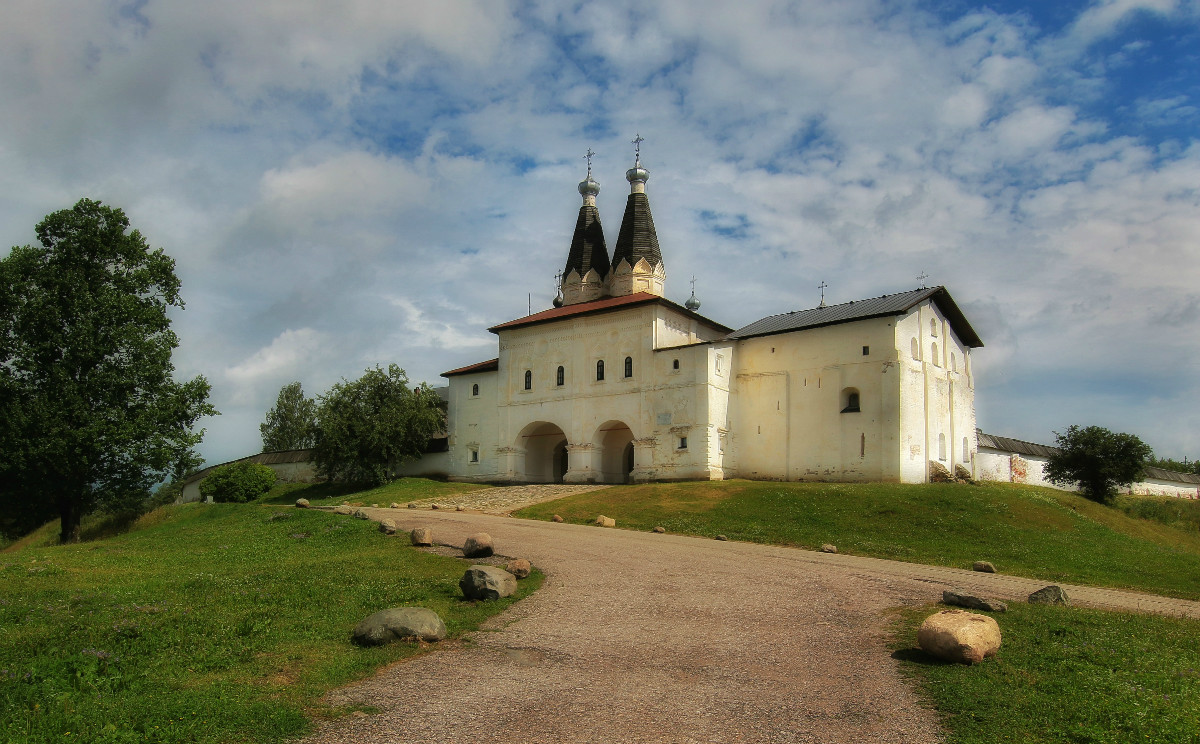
<point>474,455</point>
<point>683,443</point>
<point>866,351</point>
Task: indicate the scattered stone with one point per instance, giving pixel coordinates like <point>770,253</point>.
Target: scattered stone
<point>277,516</point>
<point>487,582</point>
<point>299,535</point>
<point>460,508</point>
<point>478,545</point>
<point>938,473</point>
<point>399,623</point>
<point>962,475</point>
<point>959,636</point>
<point>411,505</point>
<point>983,567</point>
<point>422,536</point>
<point>435,506</point>
<point>301,503</point>
<point>972,602</point>
<point>660,529</point>
<point>343,509</point>
<point>603,521</point>
<point>360,514</point>
<point>1052,594</point>
<point>722,538</point>
<point>518,567</point>
<point>556,518</point>
<point>828,548</point>
<point>374,506</point>
<point>387,527</point>
<point>394,505</point>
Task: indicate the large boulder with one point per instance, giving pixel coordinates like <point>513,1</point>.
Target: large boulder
<point>1052,594</point>
<point>478,545</point>
<point>983,567</point>
<point>302,503</point>
<point>603,521</point>
<point>360,514</point>
<point>972,602</point>
<point>400,623</point>
<point>518,567</point>
<point>959,636</point>
<point>422,536</point>
<point>487,582</point>
<point>387,526</point>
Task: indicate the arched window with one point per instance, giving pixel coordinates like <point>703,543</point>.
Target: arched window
<point>916,350</point>
<point>936,361</point>
<point>953,362</point>
<point>850,401</point>
<point>528,380</point>
<point>600,370</point>
<point>675,364</point>
<point>560,377</point>
<point>933,327</point>
<point>475,390</point>
<point>629,366</point>
<point>941,446</point>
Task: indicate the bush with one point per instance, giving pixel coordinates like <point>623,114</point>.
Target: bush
<point>1097,460</point>
<point>237,482</point>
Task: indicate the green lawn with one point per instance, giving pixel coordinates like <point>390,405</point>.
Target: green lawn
<point>1066,675</point>
<point>206,623</point>
<point>1024,530</point>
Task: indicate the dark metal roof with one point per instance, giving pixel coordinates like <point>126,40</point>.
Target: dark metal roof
<point>587,244</point>
<point>1006,444</point>
<point>281,457</point>
<point>637,238</point>
<point>876,307</point>
<point>604,305</point>
<point>490,365</point>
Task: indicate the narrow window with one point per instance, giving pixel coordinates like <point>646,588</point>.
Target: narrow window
<point>475,390</point>
<point>941,446</point>
<point>916,351</point>
<point>629,366</point>
<point>560,377</point>
<point>600,370</point>
<point>528,380</point>
<point>850,401</point>
<point>933,327</point>
<point>866,351</point>
<point>683,443</point>
<point>474,455</point>
<point>966,450</point>
<point>862,445</point>
<point>953,362</point>
<point>936,362</point>
<point>675,364</point>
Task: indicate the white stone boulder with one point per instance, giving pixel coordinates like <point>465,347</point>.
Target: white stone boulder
<point>302,503</point>
<point>487,582</point>
<point>387,526</point>
<point>478,545</point>
<point>421,536</point>
<point>959,636</point>
<point>399,623</point>
<point>603,521</point>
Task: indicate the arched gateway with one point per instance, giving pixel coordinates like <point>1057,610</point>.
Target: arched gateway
<point>545,453</point>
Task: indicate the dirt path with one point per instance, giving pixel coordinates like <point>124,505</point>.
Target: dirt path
<point>638,637</point>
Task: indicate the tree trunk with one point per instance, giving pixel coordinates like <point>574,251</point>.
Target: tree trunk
<point>68,515</point>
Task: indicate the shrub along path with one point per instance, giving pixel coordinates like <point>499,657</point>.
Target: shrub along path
<point>639,637</point>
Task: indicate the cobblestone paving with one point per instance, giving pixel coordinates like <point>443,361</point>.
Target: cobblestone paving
<point>504,499</point>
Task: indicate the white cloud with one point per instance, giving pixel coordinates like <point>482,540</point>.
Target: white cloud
<point>285,355</point>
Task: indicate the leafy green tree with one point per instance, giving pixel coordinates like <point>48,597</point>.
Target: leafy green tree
<point>367,428</point>
<point>237,482</point>
<point>292,423</point>
<point>90,413</point>
<point>1098,460</point>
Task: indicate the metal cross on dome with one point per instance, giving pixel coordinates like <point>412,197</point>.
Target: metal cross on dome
<point>637,149</point>
<point>822,287</point>
<point>589,157</point>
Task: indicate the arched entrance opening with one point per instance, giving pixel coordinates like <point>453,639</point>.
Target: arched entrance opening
<point>545,448</point>
<point>615,441</point>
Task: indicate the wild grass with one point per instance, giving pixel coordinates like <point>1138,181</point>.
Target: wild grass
<point>1066,674</point>
<point>1023,530</point>
<point>206,623</point>
<point>1183,514</point>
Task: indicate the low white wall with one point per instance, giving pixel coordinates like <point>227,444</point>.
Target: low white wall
<point>1010,467</point>
<point>1161,487</point>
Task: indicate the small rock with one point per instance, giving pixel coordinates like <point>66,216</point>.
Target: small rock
<point>422,536</point>
<point>660,529</point>
<point>556,518</point>
<point>983,567</point>
<point>435,506</point>
<point>478,545</point>
<point>959,636</point>
<point>487,582</point>
<point>394,505</point>
<point>399,623</point>
<point>828,548</point>
<point>411,505</point>
<point>387,527</point>
<point>603,521</point>
<point>360,514</point>
<point>1052,594</point>
<point>301,503</point>
<point>518,567</point>
<point>722,538</point>
<point>972,602</point>
<point>374,506</point>
<point>460,508</point>
<point>343,509</point>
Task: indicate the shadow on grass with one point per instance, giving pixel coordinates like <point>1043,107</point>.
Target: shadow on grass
<point>917,656</point>
<point>314,492</point>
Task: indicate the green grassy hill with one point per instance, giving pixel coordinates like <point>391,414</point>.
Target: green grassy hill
<point>1024,530</point>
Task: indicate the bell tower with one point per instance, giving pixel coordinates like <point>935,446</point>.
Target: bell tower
<point>587,263</point>
<point>637,264</point>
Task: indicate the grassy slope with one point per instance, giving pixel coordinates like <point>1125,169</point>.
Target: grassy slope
<point>210,623</point>
<point>1023,530</point>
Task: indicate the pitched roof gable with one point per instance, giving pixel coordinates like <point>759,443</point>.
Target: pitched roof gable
<point>604,305</point>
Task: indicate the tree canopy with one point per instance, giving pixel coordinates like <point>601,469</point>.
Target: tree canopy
<point>292,423</point>
<point>90,413</point>
<point>1097,460</point>
<point>368,427</point>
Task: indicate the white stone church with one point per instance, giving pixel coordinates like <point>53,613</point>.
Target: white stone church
<point>616,383</point>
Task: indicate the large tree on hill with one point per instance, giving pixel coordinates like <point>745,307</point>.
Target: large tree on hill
<point>292,423</point>
<point>1099,461</point>
<point>90,414</point>
<point>368,427</point>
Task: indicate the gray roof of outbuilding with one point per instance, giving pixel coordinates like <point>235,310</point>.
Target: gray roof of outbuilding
<point>876,307</point>
<point>1021,447</point>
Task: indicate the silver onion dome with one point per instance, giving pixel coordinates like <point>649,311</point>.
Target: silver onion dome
<point>589,186</point>
<point>692,304</point>
<point>637,173</point>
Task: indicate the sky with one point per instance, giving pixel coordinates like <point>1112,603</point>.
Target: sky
<point>358,183</point>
